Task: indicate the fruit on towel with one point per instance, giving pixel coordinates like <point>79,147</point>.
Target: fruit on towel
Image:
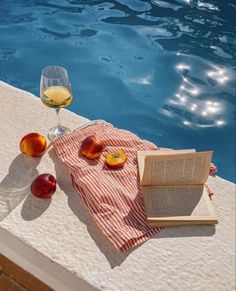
<point>116,160</point>
<point>43,186</point>
<point>33,144</point>
<point>91,147</point>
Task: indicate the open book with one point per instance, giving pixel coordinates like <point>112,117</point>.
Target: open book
<point>172,183</point>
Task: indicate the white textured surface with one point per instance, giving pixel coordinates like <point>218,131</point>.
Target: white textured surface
<point>182,258</point>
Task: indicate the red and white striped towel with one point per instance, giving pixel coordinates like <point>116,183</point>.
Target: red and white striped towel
<point>113,197</point>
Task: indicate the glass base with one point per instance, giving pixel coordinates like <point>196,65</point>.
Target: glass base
<point>57,131</point>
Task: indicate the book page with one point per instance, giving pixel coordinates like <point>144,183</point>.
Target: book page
<point>142,154</point>
<point>178,169</point>
<point>174,202</point>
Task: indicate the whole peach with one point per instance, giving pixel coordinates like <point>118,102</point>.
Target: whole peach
<point>91,147</point>
<point>43,186</point>
<point>33,144</point>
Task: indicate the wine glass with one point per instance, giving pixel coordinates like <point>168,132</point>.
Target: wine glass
<point>55,92</point>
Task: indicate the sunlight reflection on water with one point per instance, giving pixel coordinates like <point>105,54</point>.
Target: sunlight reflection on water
<point>213,112</point>
<point>162,69</point>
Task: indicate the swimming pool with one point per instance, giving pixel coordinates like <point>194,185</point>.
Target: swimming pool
<point>162,69</point>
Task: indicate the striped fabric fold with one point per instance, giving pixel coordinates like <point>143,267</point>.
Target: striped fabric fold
<point>112,197</point>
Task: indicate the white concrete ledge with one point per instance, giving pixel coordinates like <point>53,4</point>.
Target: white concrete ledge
<point>57,241</point>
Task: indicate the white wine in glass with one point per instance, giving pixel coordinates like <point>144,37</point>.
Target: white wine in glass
<point>55,92</point>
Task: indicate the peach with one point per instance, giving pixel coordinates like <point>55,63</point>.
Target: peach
<point>33,144</point>
<point>91,147</point>
<point>116,160</point>
<point>43,186</point>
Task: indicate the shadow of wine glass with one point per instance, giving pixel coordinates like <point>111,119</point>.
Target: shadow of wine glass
<point>16,184</point>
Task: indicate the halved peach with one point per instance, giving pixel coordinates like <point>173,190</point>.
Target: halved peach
<point>116,160</point>
<point>33,144</point>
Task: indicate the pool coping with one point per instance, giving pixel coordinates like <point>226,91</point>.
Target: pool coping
<point>59,243</point>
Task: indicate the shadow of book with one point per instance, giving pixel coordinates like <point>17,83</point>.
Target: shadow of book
<point>180,202</point>
<point>178,205</point>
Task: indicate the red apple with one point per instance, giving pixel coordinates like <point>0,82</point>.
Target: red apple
<point>43,186</point>
<point>116,160</point>
<point>91,147</point>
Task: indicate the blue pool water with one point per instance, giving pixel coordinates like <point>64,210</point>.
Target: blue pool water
<point>162,69</point>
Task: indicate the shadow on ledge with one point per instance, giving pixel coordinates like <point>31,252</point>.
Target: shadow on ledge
<point>77,206</point>
<point>34,207</point>
<point>16,185</point>
<point>186,231</point>
<point>111,254</point>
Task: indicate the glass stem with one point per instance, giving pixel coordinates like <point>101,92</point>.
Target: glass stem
<point>58,118</point>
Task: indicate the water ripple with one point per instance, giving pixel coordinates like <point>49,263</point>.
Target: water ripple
<point>163,69</point>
